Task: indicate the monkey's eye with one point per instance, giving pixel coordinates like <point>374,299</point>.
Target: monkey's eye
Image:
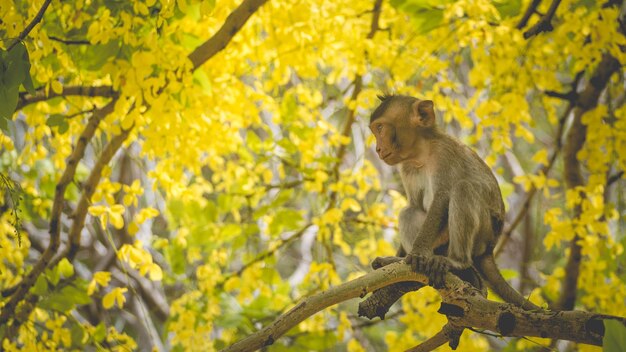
<point>379,127</point>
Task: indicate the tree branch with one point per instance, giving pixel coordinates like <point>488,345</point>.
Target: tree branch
<point>587,100</point>
<point>40,94</point>
<point>31,25</point>
<point>358,85</point>
<point>225,34</point>
<point>69,41</point>
<point>89,187</point>
<point>545,23</point>
<point>530,10</point>
<point>57,209</point>
<point>506,235</point>
<point>207,50</point>
<point>468,309</point>
<point>447,334</point>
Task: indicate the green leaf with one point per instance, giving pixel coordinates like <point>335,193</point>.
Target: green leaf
<point>28,81</point>
<point>425,14</point>
<point>75,294</point>
<point>53,276</point>
<point>508,8</point>
<point>57,302</point>
<point>4,124</point>
<point>614,336</point>
<point>63,127</point>
<point>285,220</point>
<point>17,72</point>
<point>66,268</point>
<point>55,120</point>
<point>229,231</point>
<point>14,75</point>
<point>78,333</point>
<point>93,57</point>
<point>41,286</point>
<point>201,78</point>
<point>8,100</point>
<point>100,333</point>
<point>66,299</point>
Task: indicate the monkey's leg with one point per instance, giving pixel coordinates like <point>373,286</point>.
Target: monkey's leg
<point>379,302</point>
<point>465,216</point>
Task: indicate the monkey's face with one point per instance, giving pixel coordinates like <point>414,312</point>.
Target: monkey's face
<point>393,144</point>
<point>398,132</point>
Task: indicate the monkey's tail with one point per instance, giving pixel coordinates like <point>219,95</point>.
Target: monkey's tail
<point>489,270</point>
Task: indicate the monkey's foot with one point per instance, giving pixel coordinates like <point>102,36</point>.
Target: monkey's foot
<point>434,266</point>
<point>379,302</point>
<point>379,262</point>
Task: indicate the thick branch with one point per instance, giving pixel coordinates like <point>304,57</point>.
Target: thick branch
<point>225,34</point>
<point>587,100</point>
<point>40,94</point>
<point>31,25</point>
<point>470,308</point>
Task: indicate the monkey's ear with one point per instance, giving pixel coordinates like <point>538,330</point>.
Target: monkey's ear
<point>424,109</point>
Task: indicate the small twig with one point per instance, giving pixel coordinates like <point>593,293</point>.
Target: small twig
<point>570,96</point>
<point>545,23</point>
<point>530,10</point>
<point>80,113</point>
<point>14,190</point>
<point>484,332</point>
<point>433,342</point>
<point>614,178</point>
<point>31,25</point>
<point>266,254</point>
<point>69,41</point>
<point>40,94</point>
<point>545,170</point>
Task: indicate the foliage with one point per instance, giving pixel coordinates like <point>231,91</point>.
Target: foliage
<point>615,337</point>
<point>217,196</point>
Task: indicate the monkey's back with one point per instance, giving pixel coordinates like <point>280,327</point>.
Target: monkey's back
<point>462,164</point>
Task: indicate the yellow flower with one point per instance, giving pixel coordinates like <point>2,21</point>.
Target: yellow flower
<point>116,296</point>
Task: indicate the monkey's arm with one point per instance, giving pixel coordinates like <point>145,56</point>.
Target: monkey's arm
<point>433,226</point>
<point>421,257</point>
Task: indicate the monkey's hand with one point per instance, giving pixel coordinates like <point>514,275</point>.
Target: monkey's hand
<point>434,266</point>
<point>379,262</point>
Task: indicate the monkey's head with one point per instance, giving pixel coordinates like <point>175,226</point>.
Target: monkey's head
<point>399,124</point>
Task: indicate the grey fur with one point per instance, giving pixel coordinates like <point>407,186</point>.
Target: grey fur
<point>455,205</point>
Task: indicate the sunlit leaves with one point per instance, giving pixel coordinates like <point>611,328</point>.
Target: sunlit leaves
<point>100,279</point>
<point>115,297</point>
<point>114,214</point>
<point>256,207</point>
<point>140,259</point>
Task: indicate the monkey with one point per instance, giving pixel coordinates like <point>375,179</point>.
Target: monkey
<point>455,211</point>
